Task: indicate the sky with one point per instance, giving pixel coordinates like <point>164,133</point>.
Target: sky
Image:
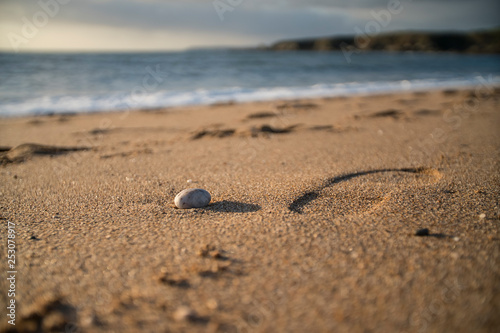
<point>155,25</point>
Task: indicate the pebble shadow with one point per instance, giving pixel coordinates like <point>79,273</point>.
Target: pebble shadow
<point>226,206</point>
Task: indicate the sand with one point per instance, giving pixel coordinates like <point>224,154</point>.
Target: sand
<point>315,207</point>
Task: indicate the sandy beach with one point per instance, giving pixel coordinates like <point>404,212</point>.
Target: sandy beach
<point>312,226</point>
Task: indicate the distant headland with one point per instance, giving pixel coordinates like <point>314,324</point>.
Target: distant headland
<point>467,42</point>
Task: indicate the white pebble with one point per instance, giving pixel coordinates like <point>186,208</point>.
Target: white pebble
<point>482,216</point>
<point>192,198</point>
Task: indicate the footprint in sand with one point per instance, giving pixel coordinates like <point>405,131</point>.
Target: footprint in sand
<point>394,114</point>
<point>253,131</point>
<point>262,115</point>
<point>297,106</point>
<point>362,191</point>
<point>49,314</point>
<point>213,133</point>
<point>427,112</point>
<point>27,150</point>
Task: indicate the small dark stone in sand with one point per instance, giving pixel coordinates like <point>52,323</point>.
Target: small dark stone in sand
<point>174,280</point>
<point>263,114</point>
<point>215,254</point>
<point>422,232</point>
<point>34,238</point>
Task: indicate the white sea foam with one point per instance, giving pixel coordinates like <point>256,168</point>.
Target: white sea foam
<point>160,99</point>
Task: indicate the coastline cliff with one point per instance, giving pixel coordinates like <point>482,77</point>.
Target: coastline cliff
<point>472,42</point>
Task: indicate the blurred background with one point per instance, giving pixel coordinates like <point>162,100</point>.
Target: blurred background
<point>146,25</point>
<point>64,56</point>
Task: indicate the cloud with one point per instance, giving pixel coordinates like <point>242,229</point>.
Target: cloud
<point>176,24</point>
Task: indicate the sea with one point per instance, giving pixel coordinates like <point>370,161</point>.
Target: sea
<point>37,84</point>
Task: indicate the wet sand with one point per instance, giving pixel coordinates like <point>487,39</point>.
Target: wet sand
<point>312,225</point>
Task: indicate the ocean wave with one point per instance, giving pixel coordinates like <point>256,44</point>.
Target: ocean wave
<point>161,99</point>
